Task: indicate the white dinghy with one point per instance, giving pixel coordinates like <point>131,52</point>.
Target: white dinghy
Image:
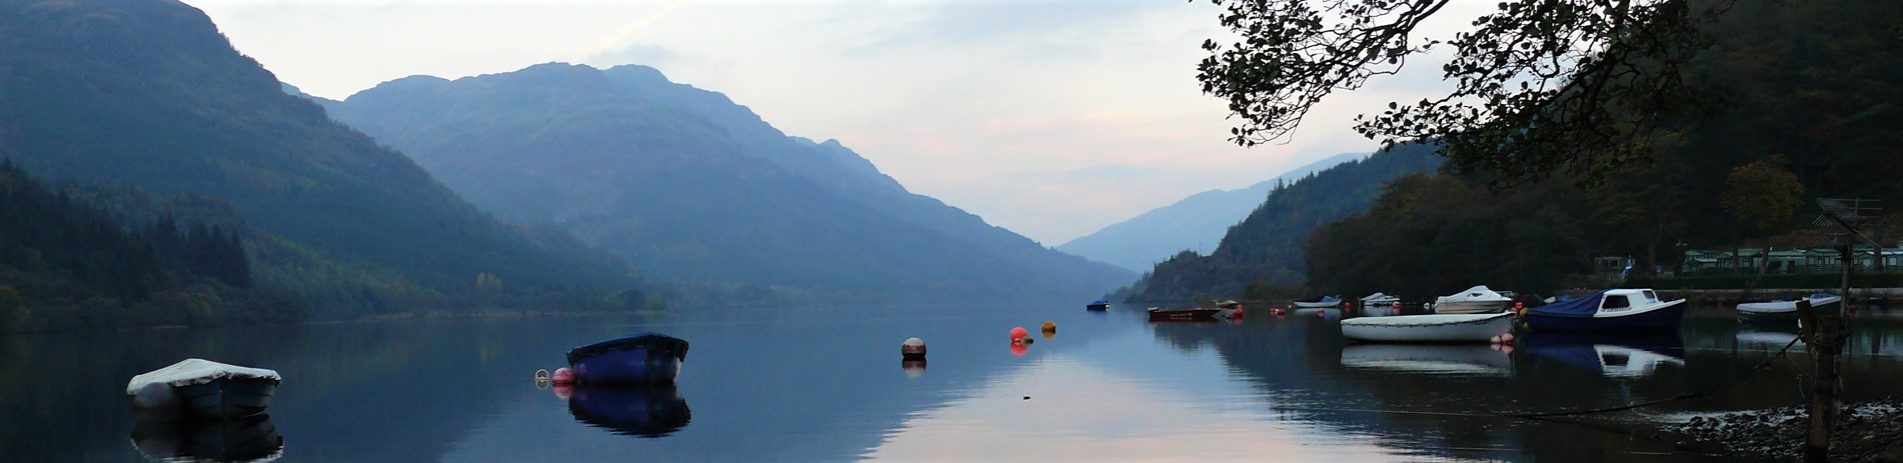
<point>1429,328</point>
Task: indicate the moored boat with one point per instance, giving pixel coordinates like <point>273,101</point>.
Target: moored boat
<point>1478,299</point>
<point>1324,302</point>
<point>1379,299</point>
<point>646,358</point>
<point>1785,311</point>
<point>1429,328</point>
<point>1615,310</point>
<point>1183,315</point>
<point>1100,304</point>
<point>205,389</point>
<point>1228,309</point>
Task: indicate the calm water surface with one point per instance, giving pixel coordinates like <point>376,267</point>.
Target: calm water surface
<point>828,385</point>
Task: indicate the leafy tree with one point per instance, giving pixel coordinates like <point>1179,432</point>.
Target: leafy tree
<point>1763,194</point>
<point>1541,86</point>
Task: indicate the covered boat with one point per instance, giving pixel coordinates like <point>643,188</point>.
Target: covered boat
<point>1429,328</point>
<point>1324,302</point>
<point>205,389</point>
<point>1192,314</point>
<point>1785,310</point>
<point>642,359</point>
<point>1478,299</point>
<point>1100,304</point>
<point>1616,310</point>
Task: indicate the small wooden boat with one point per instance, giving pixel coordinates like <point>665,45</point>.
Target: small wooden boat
<point>1429,328</point>
<point>1194,314</point>
<point>646,358</point>
<point>205,389</point>
<point>1614,310</point>
<point>1100,305</point>
<point>1324,302</point>
<point>1478,299</point>
<point>1785,311</point>
<point>650,411</point>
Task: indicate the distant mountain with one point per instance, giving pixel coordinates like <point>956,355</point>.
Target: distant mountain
<point>690,186</point>
<point>147,93</point>
<point>1195,223</point>
<point>1269,246</point>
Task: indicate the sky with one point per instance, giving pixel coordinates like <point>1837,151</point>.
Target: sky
<point>1052,118</point>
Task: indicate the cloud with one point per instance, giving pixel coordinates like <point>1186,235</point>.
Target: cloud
<point>646,54</point>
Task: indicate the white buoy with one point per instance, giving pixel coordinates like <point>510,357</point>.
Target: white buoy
<point>912,349</point>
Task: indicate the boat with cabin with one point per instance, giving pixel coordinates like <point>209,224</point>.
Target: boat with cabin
<point>1435,328</point>
<point>1612,310</point>
<point>642,359</point>
<point>1478,299</point>
<point>1099,305</point>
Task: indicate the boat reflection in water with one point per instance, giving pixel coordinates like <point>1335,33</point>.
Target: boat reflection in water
<point>1473,360</point>
<point>647,411</point>
<point>1767,339</point>
<point>1615,356</point>
<point>251,438</point>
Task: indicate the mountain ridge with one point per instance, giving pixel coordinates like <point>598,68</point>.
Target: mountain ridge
<point>688,183</point>
<point>1195,223</point>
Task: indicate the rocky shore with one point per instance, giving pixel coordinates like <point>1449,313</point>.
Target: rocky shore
<point>1866,432</point>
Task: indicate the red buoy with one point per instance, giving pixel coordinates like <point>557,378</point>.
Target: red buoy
<point>1019,333</point>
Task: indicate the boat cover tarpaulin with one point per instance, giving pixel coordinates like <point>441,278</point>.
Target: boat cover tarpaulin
<point>196,371</point>
<point>655,342</point>
<point>1582,306</point>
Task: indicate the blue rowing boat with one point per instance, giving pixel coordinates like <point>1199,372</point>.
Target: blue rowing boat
<point>646,358</point>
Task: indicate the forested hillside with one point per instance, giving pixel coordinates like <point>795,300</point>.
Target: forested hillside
<point>1266,248</point>
<point>1813,108</point>
<point>65,263</point>
<point>692,187</point>
<point>147,93</point>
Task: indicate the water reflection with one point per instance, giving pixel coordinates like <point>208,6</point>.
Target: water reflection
<point>1429,359</point>
<point>161,438</point>
<point>1611,355</point>
<point>652,411</point>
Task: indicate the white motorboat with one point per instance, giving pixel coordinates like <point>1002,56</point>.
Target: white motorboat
<point>1379,299</point>
<point>1429,328</point>
<point>1324,302</point>
<point>1786,310</point>
<point>1478,299</point>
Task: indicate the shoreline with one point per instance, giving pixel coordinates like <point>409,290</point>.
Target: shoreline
<point>1870,431</point>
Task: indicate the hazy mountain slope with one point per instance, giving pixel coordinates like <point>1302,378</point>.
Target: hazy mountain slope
<point>1195,223</point>
<point>1270,244</point>
<point>148,93</point>
<point>690,186</point>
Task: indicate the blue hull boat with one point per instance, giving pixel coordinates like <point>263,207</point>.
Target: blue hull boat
<point>1622,310</point>
<point>644,359</point>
